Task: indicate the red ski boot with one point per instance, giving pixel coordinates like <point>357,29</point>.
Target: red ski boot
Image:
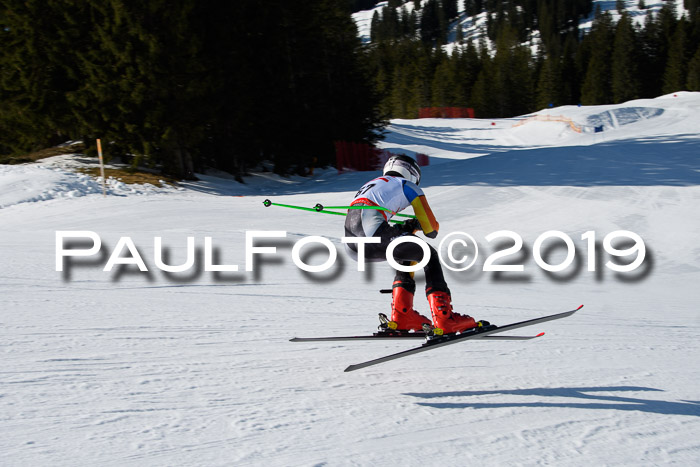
<point>443,316</point>
<point>402,312</point>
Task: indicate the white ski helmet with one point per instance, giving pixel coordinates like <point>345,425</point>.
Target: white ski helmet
<point>403,166</point>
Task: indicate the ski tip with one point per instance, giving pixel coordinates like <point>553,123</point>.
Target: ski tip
<point>294,339</point>
<point>350,368</point>
<point>540,334</point>
<point>579,307</point>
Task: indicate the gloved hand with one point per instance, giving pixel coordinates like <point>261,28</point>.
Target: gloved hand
<point>411,226</point>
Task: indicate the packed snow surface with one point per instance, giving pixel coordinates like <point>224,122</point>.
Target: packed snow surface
<point>196,368</point>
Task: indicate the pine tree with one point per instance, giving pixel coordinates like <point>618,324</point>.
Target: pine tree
<point>141,77</point>
<point>571,79</point>
<point>483,95</point>
<point>36,73</point>
<point>596,87</point>
<point>651,62</point>
<point>513,84</point>
<point>443,84</point>
<point>400,93</point>
<point>666,21</point>
<point>393,23</point>
<point>626,82</point>
<point>450,9</point>
<point>676,67</point>
<point>359,5</point>
<point>470,65</point>
<point>471,8</point>
<point>460,96</point>
<point>459,35</point>
<point>523,81</point>
<point>416,99</point>
<point>322,85</point>
<point>405,24</point>
<point>423,72</point>
<point>549,85</point>
<point>374,28</point>
<point>693,81</point>
<point>431,24</point>
<point>413,25</point>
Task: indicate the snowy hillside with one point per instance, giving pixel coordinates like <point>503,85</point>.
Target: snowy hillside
<point>474,27</point>
<point>195,368</point>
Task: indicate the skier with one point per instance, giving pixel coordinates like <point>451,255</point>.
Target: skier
<point>396,190</point>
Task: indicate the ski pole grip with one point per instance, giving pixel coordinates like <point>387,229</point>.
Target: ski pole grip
<point>267,203</point>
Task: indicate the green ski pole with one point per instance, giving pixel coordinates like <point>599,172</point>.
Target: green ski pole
<point>320,208</point>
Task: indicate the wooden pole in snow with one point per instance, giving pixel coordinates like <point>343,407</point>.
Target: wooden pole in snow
<point>102,167</point>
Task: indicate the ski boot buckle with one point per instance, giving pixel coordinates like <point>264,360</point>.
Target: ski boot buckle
<point>432,332</point>
<point>385,324</point>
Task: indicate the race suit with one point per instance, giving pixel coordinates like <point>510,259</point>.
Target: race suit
<point>395,194</point>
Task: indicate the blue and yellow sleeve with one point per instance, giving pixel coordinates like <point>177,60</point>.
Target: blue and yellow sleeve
<point>421,208</point>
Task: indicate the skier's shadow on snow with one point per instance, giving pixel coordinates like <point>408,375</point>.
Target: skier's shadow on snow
<point>576,394</point>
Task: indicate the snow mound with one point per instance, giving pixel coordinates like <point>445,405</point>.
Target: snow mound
<point>570,125</point>
<point>35,183</point>
<point>618,117</point>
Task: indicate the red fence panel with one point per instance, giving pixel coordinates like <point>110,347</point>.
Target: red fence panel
<point>446,112</point>
<point>422,160</point>
<point>355,156</point>
<point>365,157</point>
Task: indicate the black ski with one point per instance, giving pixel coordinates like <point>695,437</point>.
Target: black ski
<point>453,339</point>
<point>382,336</point>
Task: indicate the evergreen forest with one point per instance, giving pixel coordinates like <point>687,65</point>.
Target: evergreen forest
<point>185,84</point>
<point>499,75</point>
<point>181,85</point>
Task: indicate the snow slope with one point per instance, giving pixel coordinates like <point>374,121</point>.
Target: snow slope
<point>473,27</point>
<point>53,179</point>
<point>195,368</point>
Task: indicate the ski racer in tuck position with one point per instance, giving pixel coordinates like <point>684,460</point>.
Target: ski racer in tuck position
<point>396,190</point>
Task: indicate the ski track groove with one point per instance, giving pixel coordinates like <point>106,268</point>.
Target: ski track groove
<point>118,369</point>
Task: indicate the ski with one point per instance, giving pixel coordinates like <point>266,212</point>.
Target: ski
<point>387,332</point>
<point>382,336</point>
<point>453,339</point>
